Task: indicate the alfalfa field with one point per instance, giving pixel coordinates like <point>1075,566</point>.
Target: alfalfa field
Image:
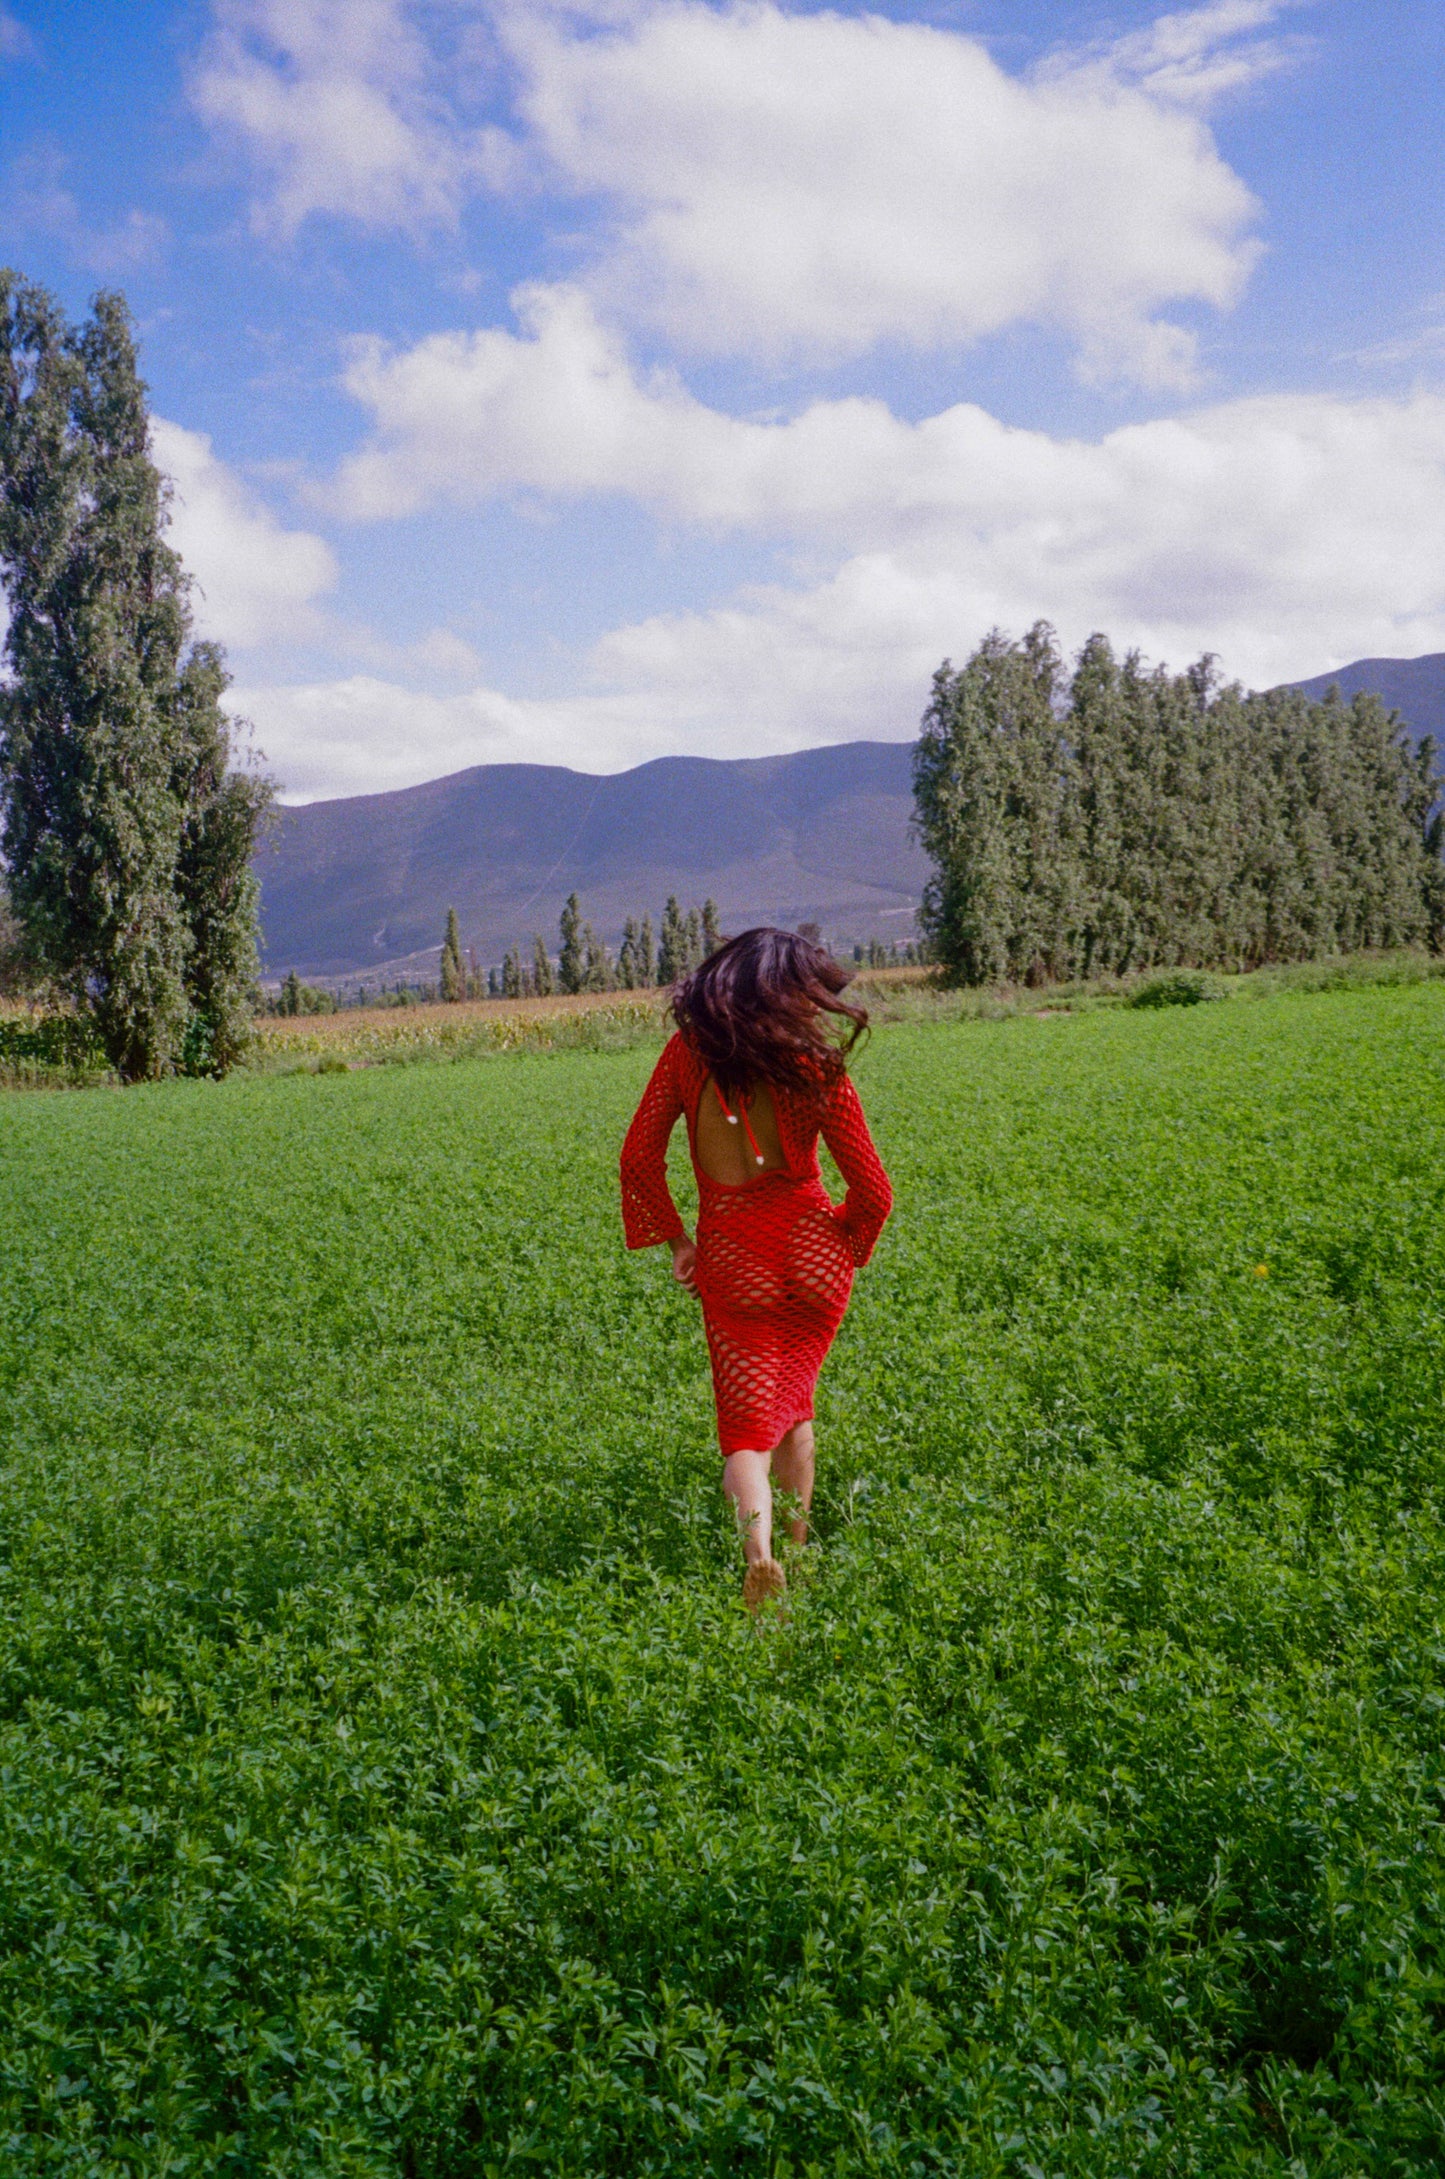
<point>391,1783</point>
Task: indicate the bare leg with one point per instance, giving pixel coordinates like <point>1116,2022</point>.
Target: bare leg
<point>793,1472</point>
<point>745,1479</point>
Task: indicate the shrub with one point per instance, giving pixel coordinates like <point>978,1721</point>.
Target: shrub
<point>1182,987</point>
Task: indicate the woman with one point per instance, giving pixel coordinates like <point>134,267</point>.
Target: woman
<point>758,1078</point>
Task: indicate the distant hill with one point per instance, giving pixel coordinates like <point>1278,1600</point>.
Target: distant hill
<point>365,884</point>
<point>1415,687</point>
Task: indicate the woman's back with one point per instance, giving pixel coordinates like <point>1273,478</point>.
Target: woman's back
<point>721,1145</point>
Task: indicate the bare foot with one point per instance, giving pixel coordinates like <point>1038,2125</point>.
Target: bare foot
<point>764,1579</point>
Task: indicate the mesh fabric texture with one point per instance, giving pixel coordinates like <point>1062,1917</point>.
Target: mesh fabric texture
<point>775,1256</point>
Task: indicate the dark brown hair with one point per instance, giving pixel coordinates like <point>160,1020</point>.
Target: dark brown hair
<point>754,1012</point>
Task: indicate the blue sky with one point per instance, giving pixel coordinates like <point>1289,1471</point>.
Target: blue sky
<point>580,384</point>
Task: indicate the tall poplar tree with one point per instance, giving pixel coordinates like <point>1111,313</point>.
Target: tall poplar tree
<point>127,830</point>
<point>627,965</point>
<point>966,771</point>
<point>452,975</point>
<point>596,962</point>
<point>672,943</point>
<point>571,966</point>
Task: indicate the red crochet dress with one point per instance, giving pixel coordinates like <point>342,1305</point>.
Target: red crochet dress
<point>775,1256</point>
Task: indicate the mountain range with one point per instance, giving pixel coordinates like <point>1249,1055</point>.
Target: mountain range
<point>360,888</point>
<point>364,885</point>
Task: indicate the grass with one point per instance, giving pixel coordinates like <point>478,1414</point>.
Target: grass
<point>390,1782</point>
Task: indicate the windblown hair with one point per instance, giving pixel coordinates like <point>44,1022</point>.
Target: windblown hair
<point>754,1012</point>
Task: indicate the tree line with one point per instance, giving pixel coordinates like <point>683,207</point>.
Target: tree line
<point>905,954</point>
<point>583,961</point>
<point>1125,817</point>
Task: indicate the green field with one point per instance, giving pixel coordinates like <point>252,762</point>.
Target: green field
<point>391,1783</point>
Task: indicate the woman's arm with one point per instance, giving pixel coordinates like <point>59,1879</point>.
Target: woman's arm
<point>864,1209</point>
<point>649,1214</point>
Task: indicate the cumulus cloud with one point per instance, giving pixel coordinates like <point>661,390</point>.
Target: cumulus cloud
<point>811,185</point>
<point>777,185</point>
<point>555,409</point>
<point>558,410</point>
<point>1229,509</point>
<point>1287,533</point>
<point>257,582</point>
<point>339,104</point>
<point>1290,591</point>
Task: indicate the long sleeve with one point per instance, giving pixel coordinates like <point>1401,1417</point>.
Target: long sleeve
<point>865,1208</point>
<point>649,1214</point>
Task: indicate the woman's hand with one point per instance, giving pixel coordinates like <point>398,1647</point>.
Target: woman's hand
<point>684,1262</point>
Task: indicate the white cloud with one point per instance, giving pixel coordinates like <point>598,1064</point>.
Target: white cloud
<point>1289,534</point>
<point>559,411</point>
<point>1252,510</point>
<point>812,185</point>
<point>1200,55</point>
<point>1424,346</point>
<point>257,582</point>
<point>782,185</point>
<point>556,410</point>
<point>340,105</point>
<point>137,238</point>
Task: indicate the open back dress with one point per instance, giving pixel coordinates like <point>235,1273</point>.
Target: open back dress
<point>775,1255</point>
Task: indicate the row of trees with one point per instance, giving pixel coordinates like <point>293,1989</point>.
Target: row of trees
<point>1126,817</point>
<point>876,955</point>
<point>682,942</point>
<point>583,961</point>
<point>126,829</point>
